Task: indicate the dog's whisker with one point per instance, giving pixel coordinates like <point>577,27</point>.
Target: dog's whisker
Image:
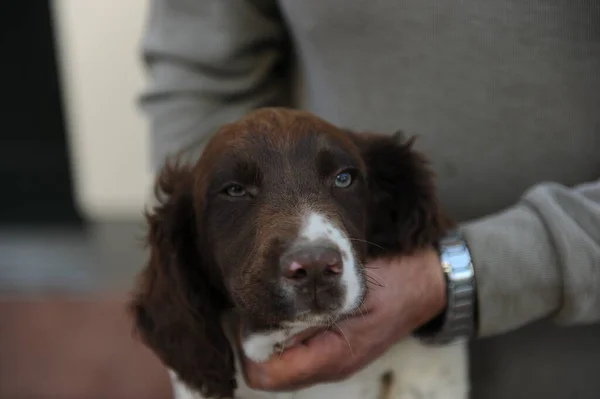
<point>366,241</point>
<point>346,338</point>
<point>374,281</point>
<point>374,277</point>
<point>361,309</point>
<point>374,284</point>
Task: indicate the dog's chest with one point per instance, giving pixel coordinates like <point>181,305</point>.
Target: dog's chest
<point>408,370</point>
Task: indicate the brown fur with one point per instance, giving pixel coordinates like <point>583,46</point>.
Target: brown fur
<point>209,253</point>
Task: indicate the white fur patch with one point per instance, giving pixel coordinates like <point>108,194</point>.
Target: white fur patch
<point>317,227</point>
<point>259,347</point>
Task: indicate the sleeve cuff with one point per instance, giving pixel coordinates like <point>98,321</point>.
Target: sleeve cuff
<point>518,278</point>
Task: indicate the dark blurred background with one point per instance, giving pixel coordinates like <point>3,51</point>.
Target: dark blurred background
<point>70,226</point>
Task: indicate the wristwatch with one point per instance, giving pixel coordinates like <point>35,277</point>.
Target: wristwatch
<point>457,322</point>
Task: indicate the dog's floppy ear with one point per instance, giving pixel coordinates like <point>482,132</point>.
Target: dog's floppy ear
<point>404,212</point>
<point>177,305</point>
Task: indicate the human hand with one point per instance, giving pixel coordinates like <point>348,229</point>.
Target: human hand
<point>404,293</point>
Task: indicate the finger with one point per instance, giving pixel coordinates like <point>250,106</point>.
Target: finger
<point>303,365</point>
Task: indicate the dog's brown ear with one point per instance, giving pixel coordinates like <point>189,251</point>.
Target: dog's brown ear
<point>176,307</point>
<point>404,213</point>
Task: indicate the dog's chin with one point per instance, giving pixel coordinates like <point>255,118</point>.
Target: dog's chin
<point>259,346</point>
<point>312,319</point>
<point>320,318</point>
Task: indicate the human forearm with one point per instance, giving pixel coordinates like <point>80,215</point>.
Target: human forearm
<point>538,259</point>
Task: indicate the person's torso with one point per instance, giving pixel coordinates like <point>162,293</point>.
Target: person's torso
<point>503,94</point>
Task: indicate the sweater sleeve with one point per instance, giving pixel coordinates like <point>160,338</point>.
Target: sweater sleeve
<point>539,259</point>
<point>208,63</point>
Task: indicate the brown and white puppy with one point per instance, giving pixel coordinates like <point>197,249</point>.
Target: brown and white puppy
<point>274,223</point>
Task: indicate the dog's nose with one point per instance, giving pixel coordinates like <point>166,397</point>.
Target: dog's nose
<point>312,262</point>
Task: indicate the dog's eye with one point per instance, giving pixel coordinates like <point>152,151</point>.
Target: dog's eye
<point>235,190</point>
<point>343,180</point>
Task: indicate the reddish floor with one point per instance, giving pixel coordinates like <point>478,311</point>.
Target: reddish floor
<point>76,348</point>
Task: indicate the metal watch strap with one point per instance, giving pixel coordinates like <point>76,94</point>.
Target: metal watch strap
<point>459,318</point>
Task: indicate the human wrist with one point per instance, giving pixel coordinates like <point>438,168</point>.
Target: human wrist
<point>438,298</point>
<point>434,298</point>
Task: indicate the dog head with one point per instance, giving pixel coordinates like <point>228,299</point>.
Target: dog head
<point>275,220</point>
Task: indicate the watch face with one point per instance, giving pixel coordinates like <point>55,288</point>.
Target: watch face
<point>458,261</point>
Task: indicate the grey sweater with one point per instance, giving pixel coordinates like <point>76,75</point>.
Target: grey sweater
<point>505,98</point>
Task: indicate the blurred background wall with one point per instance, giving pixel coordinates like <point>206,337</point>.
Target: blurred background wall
<point>102,76</point>
<point>74,175</point>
